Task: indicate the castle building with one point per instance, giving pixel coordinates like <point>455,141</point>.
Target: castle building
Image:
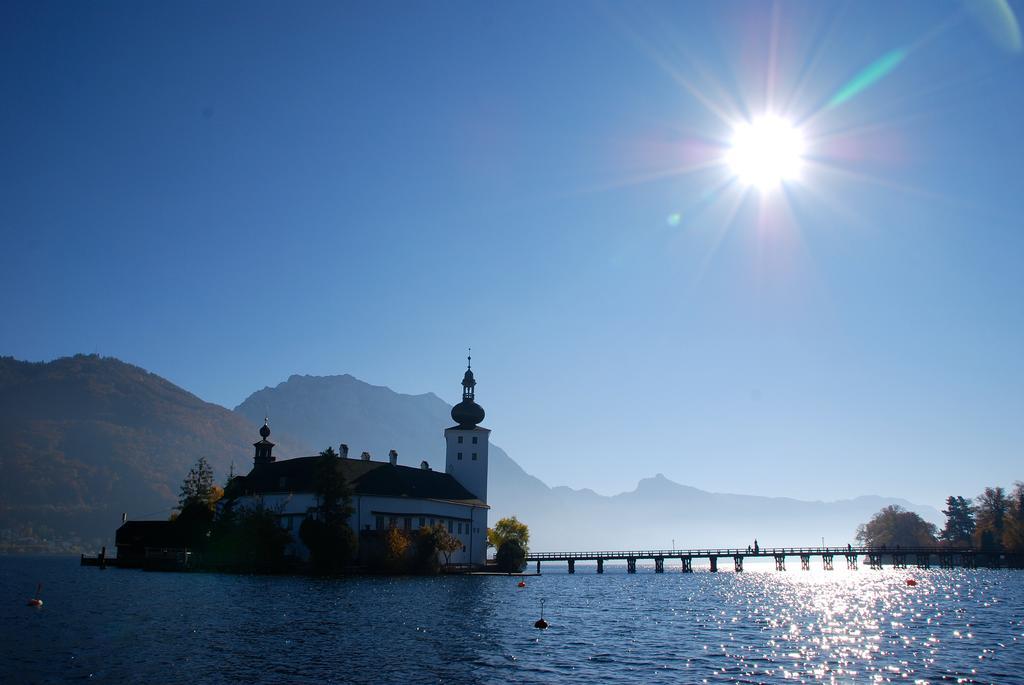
<point>385,494</point>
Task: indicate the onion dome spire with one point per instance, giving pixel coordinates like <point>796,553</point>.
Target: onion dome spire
<point>468,413</point>
<point>265,429</point>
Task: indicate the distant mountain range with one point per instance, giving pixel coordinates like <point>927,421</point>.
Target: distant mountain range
<point>88,437</point>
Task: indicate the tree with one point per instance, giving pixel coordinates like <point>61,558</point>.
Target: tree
<point>992,509</point>
<point>507,529</point>
<point>330,540</point>
<point>431,541</point>
<point>959,527</point>
<point>510,537</point>
<point>893,526</point>
<point>396,546</point>
<point>334,496</point>
<point>250,539</point>
<point>1013,536</point>
<point>198,487</point>
<point>511,556</point>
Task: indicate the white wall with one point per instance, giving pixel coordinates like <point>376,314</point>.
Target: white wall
<point>366,509</point>
<point>470,472</point>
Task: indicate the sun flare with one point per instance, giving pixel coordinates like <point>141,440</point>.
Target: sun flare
<point>766,152</point>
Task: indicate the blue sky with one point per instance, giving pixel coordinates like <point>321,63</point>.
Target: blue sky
<point>230,193</point>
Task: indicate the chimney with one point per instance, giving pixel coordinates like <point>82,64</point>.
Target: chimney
<point>393,457</point>
<point>124,514</point>
<point>343,450</point>
<point>425,466</point>
<point>365,456</point>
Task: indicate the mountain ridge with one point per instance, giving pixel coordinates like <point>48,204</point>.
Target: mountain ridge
<point>93,436</point>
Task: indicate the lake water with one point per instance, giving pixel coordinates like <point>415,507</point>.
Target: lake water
<point>761,626</point>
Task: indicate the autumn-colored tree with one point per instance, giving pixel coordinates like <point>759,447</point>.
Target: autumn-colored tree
<point>895,526</point>
<point>509,528</point>
<point>1013,535</point>
<point>511,538</point>
<point>396,545</point>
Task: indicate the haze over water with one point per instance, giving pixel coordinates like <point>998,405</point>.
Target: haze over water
<point>757,627</point>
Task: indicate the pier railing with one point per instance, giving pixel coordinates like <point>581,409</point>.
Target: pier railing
<point>896,556</point>
<point>705,552</point>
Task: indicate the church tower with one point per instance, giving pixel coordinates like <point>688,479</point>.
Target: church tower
<point>264,448</point>
<point>466,458</point>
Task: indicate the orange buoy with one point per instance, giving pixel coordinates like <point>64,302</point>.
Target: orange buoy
<point>911,582</point>
<point>522,583</point>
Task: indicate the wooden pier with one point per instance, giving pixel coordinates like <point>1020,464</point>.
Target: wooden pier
<point>874,557</point>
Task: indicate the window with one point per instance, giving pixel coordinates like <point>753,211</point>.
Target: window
<point>431,523</point>
<point>422,521</point>
<point>380,523</point>
<point>460,439</point>
<point>450,526</point>
<point>474,456</point>
<point>460,455</point>
<point>391,522</point>
<point>463,548</point>
<point>408,523</point>
<point>460,528</point>
<point>474,439</point>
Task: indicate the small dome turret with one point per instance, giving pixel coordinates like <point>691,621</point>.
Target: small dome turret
<point>265,429</point>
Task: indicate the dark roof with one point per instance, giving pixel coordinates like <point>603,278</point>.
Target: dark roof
<point>149,534</point>
<point>365,477</point>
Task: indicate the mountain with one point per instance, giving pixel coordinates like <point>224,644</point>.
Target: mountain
<point>86,438</point>
<point>328,410</point>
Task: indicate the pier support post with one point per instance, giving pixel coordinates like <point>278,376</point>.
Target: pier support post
<point>659,564</point>
<point>631,565</point>
<point>851,562</point>
<point>875,561</point>
<point>714,564</point>
<point>687,564</point>
<point>898,561</point>
<point>968,560</point>
<point>805,562</point>
<point>946,560</point>
<point>572,566</point>
<point>780,562</point>
<point>924,560</point>
<point>826,561</point>
<point>737,562</point>
<point>538,567</point>
<point>600,565</point>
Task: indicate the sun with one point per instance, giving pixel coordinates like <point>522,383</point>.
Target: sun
<point>766,152</point>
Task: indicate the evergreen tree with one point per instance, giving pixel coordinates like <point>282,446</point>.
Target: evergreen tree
<point>198,485</point>
<point>959,527</point>
<point>331,542</point>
